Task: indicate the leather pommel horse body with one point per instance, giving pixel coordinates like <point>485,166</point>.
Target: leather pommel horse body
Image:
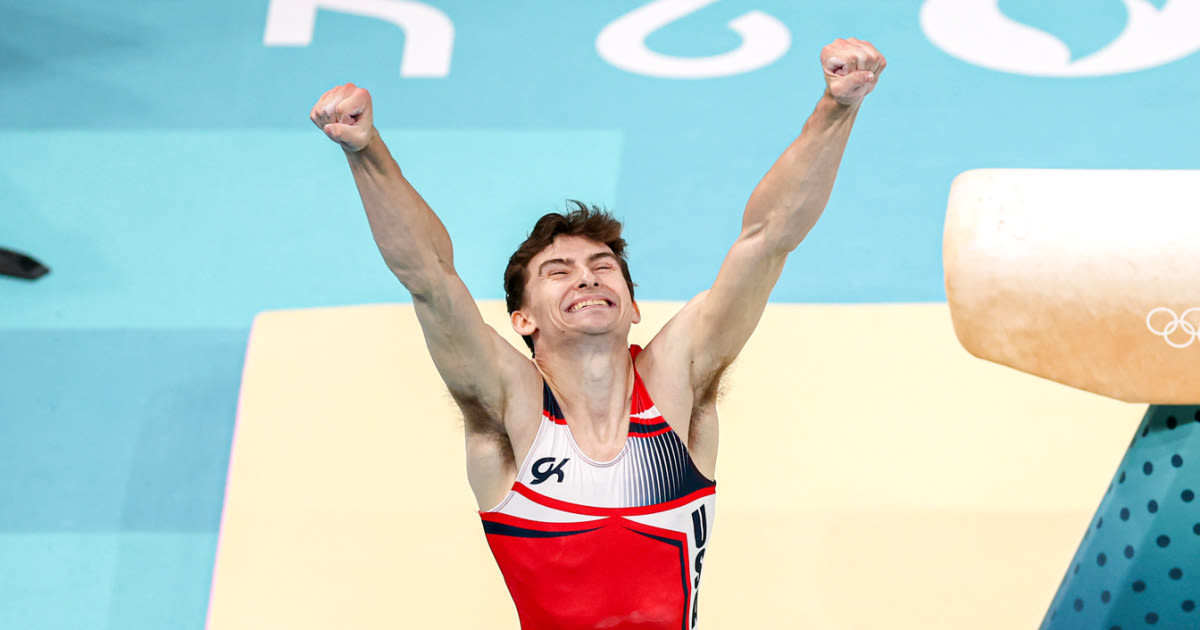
<point>1092,279</point>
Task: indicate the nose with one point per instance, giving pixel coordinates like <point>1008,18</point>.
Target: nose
<point>588,279</point>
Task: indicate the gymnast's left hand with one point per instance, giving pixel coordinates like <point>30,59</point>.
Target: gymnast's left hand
<point>852,69</point>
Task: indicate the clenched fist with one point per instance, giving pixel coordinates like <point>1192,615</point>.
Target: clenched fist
<point>852,68</point>
<point>344,114</point>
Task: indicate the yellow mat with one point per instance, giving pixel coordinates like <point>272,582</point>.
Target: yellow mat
<point>872,475</point>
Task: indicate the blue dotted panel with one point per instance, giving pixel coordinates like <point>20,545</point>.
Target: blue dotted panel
<point>1137,565</point>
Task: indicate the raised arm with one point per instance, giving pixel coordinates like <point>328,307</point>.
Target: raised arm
<point>478,366</point>
<point>784,206</point>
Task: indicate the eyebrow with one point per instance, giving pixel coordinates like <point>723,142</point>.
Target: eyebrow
<point>570,261</point>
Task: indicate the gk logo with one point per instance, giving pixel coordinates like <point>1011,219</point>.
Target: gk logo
<point>544,468</point>
<point>977,32</point>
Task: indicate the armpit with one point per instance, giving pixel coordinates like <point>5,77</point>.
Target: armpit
<point>478,418</point>
<point>714,387</point>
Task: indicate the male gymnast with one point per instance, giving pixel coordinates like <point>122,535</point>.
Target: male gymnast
<point>593,462</point>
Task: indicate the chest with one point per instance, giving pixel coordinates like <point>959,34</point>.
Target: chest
<point>652,466</point>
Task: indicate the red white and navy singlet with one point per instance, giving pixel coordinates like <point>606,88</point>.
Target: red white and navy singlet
<point>616,545</point>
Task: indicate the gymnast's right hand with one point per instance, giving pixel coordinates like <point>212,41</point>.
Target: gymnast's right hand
<point>344,114</point>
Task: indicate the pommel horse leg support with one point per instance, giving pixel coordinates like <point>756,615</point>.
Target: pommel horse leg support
<point>1137,564</point>
<point>1092,279</point>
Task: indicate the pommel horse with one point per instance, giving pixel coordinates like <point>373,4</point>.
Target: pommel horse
<point>1092,279</point>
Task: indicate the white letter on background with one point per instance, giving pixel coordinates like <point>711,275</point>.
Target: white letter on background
<point>428,33</point>
<point>623,43</point>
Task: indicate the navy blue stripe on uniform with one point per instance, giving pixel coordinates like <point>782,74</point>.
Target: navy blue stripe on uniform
<point>550,403</point>
<point>501,529</point>
<point>643,429</point>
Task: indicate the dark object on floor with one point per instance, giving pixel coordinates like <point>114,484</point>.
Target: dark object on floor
<point>19,265</point>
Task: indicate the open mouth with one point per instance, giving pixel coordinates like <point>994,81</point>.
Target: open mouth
<point>579,306</point>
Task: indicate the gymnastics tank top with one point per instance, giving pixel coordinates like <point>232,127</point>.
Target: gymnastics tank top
<point>616,545</point>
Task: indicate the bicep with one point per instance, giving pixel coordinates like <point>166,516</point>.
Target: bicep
<point>479,367</point>
<point>723,318</point>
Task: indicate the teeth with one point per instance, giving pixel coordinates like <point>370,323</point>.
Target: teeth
<point>588,303</point>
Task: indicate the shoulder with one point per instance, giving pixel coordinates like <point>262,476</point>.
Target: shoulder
<point>666,366</point>
<point>522,410</point>
<point>676,347</point>
<point>677,335</point>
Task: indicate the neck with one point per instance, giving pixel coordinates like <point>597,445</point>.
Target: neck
<point>593,382</point>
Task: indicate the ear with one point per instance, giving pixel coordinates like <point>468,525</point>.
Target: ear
<point>522,324</point>
<point>637,313</point>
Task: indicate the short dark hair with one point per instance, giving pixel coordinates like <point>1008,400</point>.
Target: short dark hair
<point>591,223</point>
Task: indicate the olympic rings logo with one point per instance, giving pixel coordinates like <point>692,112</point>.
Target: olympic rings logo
<point>1189,330</point>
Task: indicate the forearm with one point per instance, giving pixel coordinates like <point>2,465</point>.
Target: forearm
<point>411,238</point>
<point>792,195</point>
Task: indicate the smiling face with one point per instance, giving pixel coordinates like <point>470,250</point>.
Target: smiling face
<point>575,288</point>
